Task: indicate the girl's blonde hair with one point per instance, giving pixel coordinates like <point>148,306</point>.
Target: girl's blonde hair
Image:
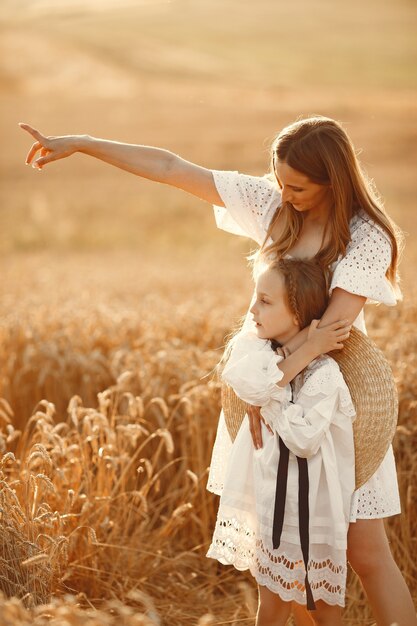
<point>319,148</point>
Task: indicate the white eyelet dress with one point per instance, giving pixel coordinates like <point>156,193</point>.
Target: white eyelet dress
<point>288,503</point>
<point>250,203</point>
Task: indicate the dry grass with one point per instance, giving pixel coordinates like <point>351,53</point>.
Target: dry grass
<point>105,495</point>
<point>128,476</point>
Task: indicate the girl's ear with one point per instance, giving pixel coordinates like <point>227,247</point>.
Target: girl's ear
<point>295,320</point>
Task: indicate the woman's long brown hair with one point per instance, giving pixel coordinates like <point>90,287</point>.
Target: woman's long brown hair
<point>319,148</point>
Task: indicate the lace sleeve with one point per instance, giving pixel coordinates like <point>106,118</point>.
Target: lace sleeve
<point>362,270</point>
<point>250,203</point>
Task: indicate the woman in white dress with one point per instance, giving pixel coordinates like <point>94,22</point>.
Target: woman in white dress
<point>316,203</point>
<point>288,504</point>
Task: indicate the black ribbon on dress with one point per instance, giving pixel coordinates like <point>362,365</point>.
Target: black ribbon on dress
<point>303,523</point>
<point>303,510</point>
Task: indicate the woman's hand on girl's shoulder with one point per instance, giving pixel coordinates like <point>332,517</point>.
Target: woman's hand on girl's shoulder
<point>328,338</point>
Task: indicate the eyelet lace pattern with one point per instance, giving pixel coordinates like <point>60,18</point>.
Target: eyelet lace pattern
<point>368,255</point>
<point>282,570</point>
<point>318,376</point>
<point>250,203</point>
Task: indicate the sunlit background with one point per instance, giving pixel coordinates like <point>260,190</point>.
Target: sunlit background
<point>213,81</point>
<point>92,257</point>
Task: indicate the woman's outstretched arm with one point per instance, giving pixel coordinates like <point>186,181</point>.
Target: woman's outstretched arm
<point>155,164</point>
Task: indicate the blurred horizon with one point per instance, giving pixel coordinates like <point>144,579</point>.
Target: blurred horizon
<point>211,81</point>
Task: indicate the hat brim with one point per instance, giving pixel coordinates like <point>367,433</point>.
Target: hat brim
<point>372,387</point>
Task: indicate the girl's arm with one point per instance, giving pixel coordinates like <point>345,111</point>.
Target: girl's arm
<point>303,429</point>
<point>155,164</point>
<point>252,371</point>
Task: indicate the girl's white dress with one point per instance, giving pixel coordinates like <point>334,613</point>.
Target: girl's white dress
<point>314,420</point>
<point>250,203</point>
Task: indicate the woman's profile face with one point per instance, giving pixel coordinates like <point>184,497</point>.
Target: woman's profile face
<point>300,191</point>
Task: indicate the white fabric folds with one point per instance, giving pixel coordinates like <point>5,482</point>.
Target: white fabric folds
<point>317,425</point>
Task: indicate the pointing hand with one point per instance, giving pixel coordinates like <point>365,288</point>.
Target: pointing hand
<point>50,148</point>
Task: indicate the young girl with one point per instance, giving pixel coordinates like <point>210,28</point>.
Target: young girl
<point>287,504</point>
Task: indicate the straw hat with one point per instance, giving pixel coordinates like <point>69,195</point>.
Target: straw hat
<point>374,394</point>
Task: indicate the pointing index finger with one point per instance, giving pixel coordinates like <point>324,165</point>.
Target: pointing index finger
<point>32,131</point>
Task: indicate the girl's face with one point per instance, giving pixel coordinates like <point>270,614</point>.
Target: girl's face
<point>271,313</point>
<point>301,192</point>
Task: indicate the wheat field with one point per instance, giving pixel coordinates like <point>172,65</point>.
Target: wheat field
<point>117,294</point>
